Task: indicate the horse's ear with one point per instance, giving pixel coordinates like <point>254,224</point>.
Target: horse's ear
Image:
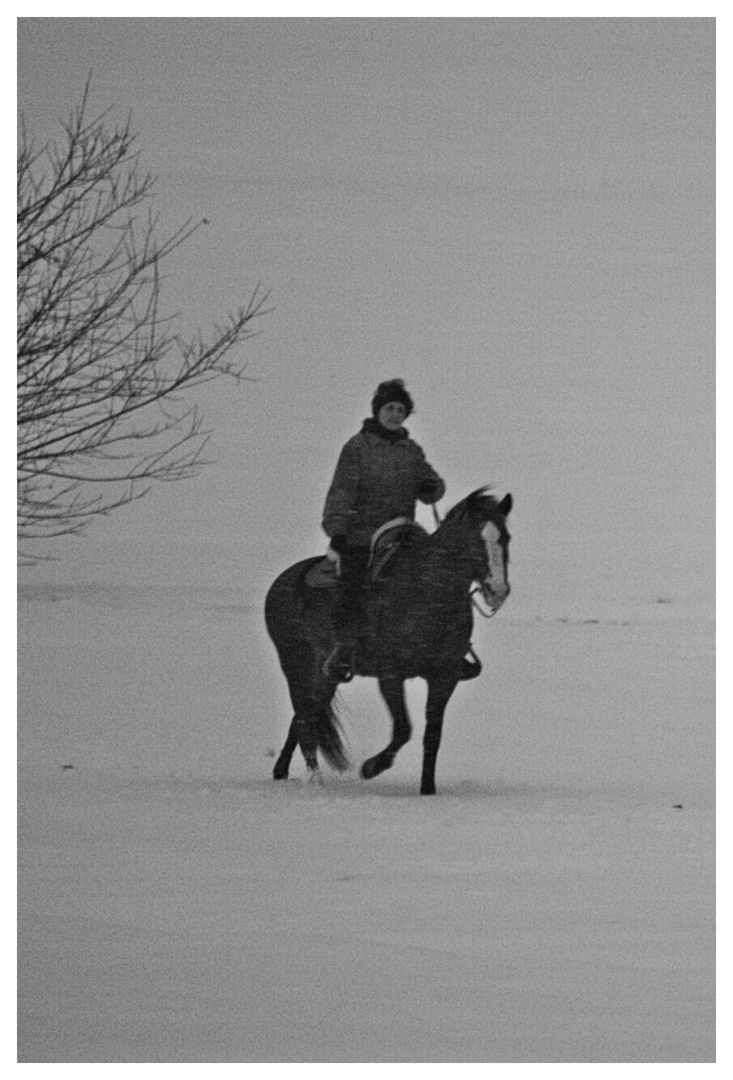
<point>506,504</point>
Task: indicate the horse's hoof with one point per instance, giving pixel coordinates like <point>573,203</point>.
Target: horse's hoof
<point>315,776</point>
<point>280,772</point>
<point>427,789</point>
<point>376,765</point>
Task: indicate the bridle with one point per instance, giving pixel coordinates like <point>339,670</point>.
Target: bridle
<point>481,590</point>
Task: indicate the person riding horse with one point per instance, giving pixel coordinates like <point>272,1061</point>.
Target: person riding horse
<point>380,474</point>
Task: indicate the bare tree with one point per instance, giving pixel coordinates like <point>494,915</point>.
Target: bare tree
<point>101,371</point>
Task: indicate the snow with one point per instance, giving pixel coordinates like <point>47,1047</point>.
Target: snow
<point>553,903</point>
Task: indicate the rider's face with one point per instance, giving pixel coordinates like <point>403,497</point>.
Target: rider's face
<point>392,415</point>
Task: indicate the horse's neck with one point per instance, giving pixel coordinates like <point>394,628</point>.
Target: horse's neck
<point>443,565</point>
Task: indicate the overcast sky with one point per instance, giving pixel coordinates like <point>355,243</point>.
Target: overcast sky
<point>513,215</point>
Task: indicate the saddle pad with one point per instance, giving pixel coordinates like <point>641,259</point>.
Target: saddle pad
<point>385,543</point>
<point>323,575</point>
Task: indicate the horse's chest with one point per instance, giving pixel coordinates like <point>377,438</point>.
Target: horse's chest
<point>407,625</point>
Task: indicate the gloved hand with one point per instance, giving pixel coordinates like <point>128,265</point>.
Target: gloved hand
<point>428,491</point>
<point>337,546</point>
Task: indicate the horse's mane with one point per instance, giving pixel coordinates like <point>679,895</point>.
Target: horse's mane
<point>477,500</point>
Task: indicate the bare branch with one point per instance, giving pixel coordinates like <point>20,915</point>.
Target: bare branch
<point>102,375</point>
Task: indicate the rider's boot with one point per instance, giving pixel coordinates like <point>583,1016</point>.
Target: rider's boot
<point>339,664</point>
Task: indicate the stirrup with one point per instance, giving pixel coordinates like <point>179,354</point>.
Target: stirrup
<point>341,669</point>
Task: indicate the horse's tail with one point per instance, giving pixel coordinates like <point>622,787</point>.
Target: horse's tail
<point>329,736</point>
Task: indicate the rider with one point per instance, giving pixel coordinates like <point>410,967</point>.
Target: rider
<point>380,474</point>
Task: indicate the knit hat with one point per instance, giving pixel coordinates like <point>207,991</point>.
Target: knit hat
<point>392,390</point>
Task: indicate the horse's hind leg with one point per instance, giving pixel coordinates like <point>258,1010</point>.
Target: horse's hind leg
<point>393,692</point>
<point>297,664</point>
<point>282,765</point>
<point>306,736</point>
<point>301,732</point>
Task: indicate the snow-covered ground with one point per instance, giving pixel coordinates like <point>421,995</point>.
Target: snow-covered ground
<point>554,902</point>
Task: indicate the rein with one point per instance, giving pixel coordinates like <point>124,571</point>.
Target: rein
<point>477,589</point>
<point>486,614</point>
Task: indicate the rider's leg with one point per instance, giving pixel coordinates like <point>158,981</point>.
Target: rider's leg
<point>348,613</point>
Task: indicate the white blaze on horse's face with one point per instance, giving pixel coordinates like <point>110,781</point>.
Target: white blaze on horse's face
<point>495,586</point>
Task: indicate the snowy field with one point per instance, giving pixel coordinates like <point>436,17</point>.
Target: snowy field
<point>554,902</point>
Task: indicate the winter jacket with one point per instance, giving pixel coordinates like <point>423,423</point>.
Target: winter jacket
<point>379,476</point>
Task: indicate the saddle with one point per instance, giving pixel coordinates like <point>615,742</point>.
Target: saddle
<point>384,545</point>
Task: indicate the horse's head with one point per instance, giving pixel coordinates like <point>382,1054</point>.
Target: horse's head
<point>483,520</point>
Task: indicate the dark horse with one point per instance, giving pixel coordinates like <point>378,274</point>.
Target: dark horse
<point>417,624</point>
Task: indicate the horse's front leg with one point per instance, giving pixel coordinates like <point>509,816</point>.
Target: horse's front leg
<point>392,690</point>
<point>440,689</point>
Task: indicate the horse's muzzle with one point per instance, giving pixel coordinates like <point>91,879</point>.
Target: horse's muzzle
<point>494,598</point>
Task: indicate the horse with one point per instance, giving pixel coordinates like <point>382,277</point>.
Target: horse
<point>416,623</point>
